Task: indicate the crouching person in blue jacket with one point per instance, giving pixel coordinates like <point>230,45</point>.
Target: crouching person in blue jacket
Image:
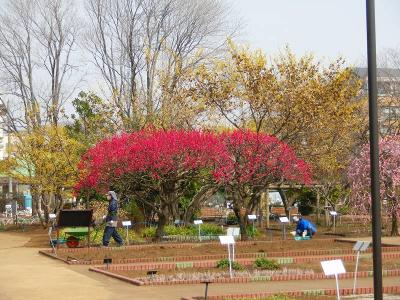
<point>304,225</point>
<point>112,221</point>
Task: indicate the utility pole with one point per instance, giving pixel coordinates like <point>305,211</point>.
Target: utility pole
<point>374,150</point>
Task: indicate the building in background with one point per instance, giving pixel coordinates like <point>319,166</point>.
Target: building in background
<point>388,85</point>
<point>19,192</point>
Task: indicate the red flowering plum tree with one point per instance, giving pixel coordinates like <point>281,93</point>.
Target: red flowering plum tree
<point>253,161</point>
<point>158,167</point>
<point>389,168</point>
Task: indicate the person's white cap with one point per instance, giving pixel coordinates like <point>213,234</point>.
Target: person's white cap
<point>295,219</point>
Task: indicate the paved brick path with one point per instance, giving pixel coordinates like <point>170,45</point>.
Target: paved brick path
<point>44,278</point>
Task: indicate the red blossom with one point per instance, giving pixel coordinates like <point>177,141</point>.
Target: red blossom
<point>240,156</point>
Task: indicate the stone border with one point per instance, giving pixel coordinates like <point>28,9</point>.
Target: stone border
<point>279,277</point>
<point>317,292</point>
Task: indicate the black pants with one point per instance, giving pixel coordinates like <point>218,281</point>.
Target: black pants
<point>111,232</point>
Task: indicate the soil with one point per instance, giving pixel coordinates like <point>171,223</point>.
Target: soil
<point>198,249</point>
<point>364,264</point>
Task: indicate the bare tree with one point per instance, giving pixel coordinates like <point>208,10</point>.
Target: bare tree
<point>36,42</point>
<point>143,47</point>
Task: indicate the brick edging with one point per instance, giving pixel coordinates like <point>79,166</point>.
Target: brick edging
<point>176,245</point>
<point>284,257</point>
<point>244,261</point>
<point>278,277</point>
<point>117,276</point>
<point>297,293</point>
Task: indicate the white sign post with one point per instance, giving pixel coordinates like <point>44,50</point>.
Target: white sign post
<point>359,246</point>
<point>198,222</point>
<point>229,240</point>
<point>252,218</point>
<point>284,221</point>
<point>127,224</point>
<point>334,267</point>
<point>333,214</point>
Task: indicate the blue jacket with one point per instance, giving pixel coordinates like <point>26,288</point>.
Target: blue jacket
<point>112,214</point>
<point>305,225</point>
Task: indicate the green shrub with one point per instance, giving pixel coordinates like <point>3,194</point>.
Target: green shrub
<point>231,219</point>
<point>224,264</point>
<point>210,229</point>
<point>266,264</point>
<point>96,236</point>
<point>252,232</point>
<point>180,230</point>
<point>148,232</point>
<point>172,230</point>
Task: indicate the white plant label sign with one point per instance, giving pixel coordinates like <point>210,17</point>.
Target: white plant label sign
<point>226,239</point>
<point>333,267</point>
<point>126,223</point>
<point>284,219</point>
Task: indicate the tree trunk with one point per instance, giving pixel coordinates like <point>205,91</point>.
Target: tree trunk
<point>242,217</point>
<point>38,208</point>
<point>395,229</point>
<point>327,223</point>
<point>162,221</point>
<point>318,208</point>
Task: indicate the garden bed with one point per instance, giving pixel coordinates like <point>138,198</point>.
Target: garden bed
<point>199,274</point>
<point>208,250</point>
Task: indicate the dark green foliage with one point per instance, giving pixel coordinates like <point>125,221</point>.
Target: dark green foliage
<point>306,201</point>
<point>266,264</point>
<point>93,120</point>
<point>224,264</point>
<point>211,229</point>
<point>232,219</point>
<point>252,232</point>
<point>134,212</point>
<point>206,229</point>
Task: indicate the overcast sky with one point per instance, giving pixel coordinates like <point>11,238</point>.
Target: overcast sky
<point>327,28</point>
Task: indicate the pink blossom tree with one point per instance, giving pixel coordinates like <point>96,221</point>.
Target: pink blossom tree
<point>389,168</point>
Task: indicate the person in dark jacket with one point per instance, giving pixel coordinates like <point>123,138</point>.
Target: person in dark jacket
<point>112,220</point>
<point>304,225</point>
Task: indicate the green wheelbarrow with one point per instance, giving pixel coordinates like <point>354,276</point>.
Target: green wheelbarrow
<point>73,235</point>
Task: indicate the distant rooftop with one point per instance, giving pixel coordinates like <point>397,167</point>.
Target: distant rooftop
<point>380,72</point>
